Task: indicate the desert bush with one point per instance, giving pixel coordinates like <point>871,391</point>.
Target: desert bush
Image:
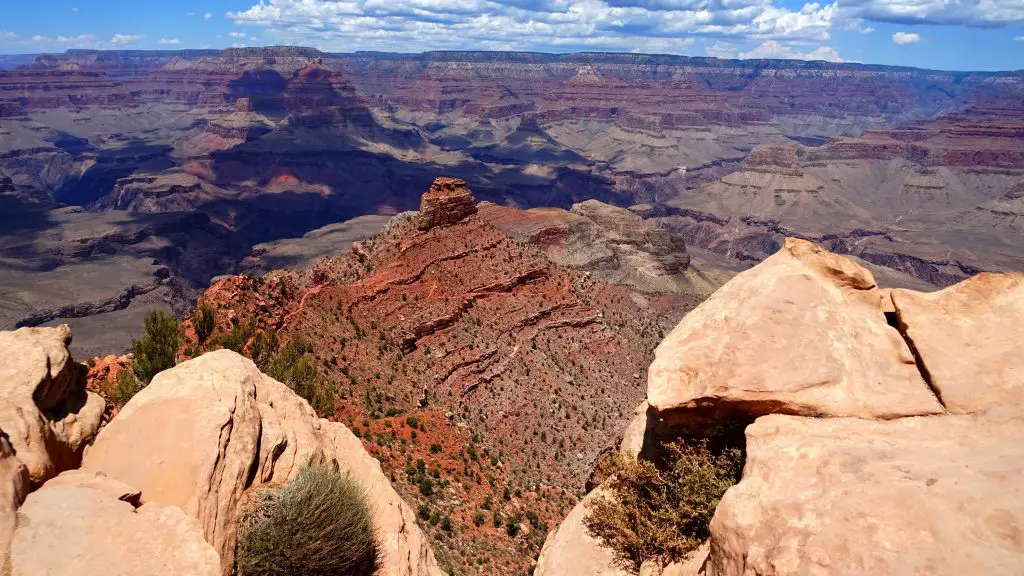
<point>204,320</point>
<point>157,350</point>
<point>124,387</point>
<point>291,366</point>
<point>236,339</point>
<point>318,524</point>
<point>661,514</point>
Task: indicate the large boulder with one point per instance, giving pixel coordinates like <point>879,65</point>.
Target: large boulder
<point>204,432</point>
<point>970,339</point>
<point>804,332</point>
<point>935,495</point>
<point>83,524</point>
<point>44,407</point>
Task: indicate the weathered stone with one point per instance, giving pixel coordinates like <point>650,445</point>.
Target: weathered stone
<point>570,550</point>
<point>802,333</point>
<point>927,495</point>
<point>970,338</point>
<point>14,485</point>
<point>207,430</point>
<point>44,407</point>
<point>447,202</point>
<point>86,524</point>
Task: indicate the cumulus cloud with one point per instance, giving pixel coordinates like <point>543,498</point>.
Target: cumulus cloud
<point>236,34</point>
<point>977,13</point>
<point>644,25</point>
<point>169,41</point>
<point>7,35</point>
<point>902,38</point>
<point>207,16</point>
<point>80,39</point>
<point>190,14</point>
<point>125,38</point>
<point>773,49</point>
<point>1019,38</point>
<point>74,8</point>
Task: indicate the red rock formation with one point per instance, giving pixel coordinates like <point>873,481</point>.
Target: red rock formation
<point>447,202</point>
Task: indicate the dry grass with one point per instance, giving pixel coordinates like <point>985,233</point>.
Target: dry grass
<point>319,524</point>
<point>661,514</point>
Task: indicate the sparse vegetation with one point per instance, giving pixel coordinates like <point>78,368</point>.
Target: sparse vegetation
<point>204,321</point>
<point>318,524</point>
<point>157,350</point>
<point>661,514</point>
<point>124,387</point>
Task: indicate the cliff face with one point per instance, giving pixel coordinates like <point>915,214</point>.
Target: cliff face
<point>269,144</point>
<point>853,392</point>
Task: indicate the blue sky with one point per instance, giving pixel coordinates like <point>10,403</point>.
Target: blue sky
<point>942,34</point>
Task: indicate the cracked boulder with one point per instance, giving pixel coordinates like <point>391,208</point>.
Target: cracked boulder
<point>82,524</point>
<point>206,431</point>
<point>45,410</point>
<point>970,337</point>
<point>804,332</point>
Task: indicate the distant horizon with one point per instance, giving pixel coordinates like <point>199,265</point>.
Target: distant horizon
<point>32,55</point>
<point>955,36</point>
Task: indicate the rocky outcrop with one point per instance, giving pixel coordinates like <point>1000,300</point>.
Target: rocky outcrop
<point>44,408</point>
<point>850,496</point>
<point>204,432</point>
<point>82,524</point>
<point>447,202</point>
<point>614,244</point>
<point>804,332</point>
<point>853,466</point>
<point>969,337</point>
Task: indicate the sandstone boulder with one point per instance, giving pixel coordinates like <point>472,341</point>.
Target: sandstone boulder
<point>934,495</point>
<point>571,551</point>
<point>970,337</point>
<point>13,487</point>
<point>204,432</point>
<point>86,524</point>
<point>804,332</point>
<point>447,202</point>
<point>44,407</point>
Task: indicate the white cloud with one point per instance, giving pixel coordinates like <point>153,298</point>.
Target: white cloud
<point>80,39</point>
<point>170,41</point>
<point>207,16</point>
<point>190,14</point>
<point>236,34</point>
<point>74,8</point>
<point>902,38</point>
<point>981,13</point>
<point>38,38</point>
<point>560,25</point>
<point>721,50</point>
<point>238,45</point>
<point>125,38</point>
<point>1019,38</point>
<point>773,49</point>
<point>867,30</point>
<point>7,35</point>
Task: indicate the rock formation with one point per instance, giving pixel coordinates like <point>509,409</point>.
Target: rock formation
<point>447,202</point>
<point>614,244</point>
<point>804,333</point>
<point>204,432</point>
<point>82,524</point>
<point>887,427</point>
<point>161,485</point>
<point>45,410</point>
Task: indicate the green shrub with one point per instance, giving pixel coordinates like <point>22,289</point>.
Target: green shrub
<point>661,514</point>
<point>237,338</point>
<point>291,366</point>
<point>125,386</point>
<point>318,524</point>
<point>157,350</point>
<point>204,320</point>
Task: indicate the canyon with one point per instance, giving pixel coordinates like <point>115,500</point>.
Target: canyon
<point>131,179</point>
